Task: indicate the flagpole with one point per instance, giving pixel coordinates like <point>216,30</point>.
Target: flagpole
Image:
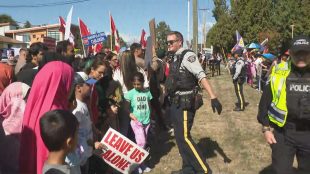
<point>111,31</point>
<point>81,38</point>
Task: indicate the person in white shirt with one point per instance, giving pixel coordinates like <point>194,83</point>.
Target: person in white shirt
<point>78,160</point>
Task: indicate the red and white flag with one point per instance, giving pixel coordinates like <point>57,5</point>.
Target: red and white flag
<point>142,39</point>
<point>115,33</point>
<point>62,29</point>
<point>85,31</point>
<point>83,28</point>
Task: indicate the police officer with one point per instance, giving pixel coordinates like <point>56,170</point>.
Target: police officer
<point>184,76</point>
<point>284,110</point>
<point>239,74</point>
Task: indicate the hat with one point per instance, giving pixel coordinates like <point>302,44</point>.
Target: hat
<point>300,43</point>
<point>82,77</point>
<point>238,51</point>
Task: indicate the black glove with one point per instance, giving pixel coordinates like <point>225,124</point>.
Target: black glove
<point>215,104</point>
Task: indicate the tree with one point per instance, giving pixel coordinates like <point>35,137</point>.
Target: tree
<point>6,18</point>
<point>220,8</point>
<point>107,42</point>
<point>162,29</point>
<point>27,24</point>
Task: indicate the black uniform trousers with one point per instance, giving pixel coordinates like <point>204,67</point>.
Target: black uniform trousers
<point>291,142</point>
<point>239,93</point>
<point>193,161</point>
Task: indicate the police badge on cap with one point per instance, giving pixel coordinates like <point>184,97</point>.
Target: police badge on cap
<point>300,43</point>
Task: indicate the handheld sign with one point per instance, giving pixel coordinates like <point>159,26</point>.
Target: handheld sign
<point>148,52</point>
<point>122,154</point>
<point>94,39</point>
<point>152,26</point>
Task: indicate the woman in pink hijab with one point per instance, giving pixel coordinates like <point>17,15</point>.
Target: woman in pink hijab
<point>12,107</point>
<point>49,91</point>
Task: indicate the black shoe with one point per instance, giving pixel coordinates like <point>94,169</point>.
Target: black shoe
<point>238,109</point>
<point>177,172</point>
<point>245,104</point>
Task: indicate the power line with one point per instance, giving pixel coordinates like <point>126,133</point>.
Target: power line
<point>45,4</point>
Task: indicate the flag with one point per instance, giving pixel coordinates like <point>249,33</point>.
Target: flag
<point>239,44</point>
<point>83,28</point>
<point>264,47</point>
<point>85,31</point>
<point>142,39</point>
<point>115,33</point>
<point>62,23</point>
<point>68,24</point>
<point>98,47</point>
<point>62,29</point>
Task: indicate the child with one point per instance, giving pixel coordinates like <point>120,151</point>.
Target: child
<point>78,160</point>
<point>59,134</point>
<point>139,99</point>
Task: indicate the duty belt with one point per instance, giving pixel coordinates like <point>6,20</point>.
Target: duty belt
<point>298,126</point>
<point>177,99</point>
<point>184,92</point>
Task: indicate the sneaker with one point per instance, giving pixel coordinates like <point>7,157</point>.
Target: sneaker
<point>140,170</point>
<point>238,109</point>
<point>147,169</point>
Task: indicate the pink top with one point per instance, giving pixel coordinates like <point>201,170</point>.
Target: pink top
<point>49,91</point>
<point>12,107</point>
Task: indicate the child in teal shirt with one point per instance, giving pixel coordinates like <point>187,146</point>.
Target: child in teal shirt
<point>139,99</point>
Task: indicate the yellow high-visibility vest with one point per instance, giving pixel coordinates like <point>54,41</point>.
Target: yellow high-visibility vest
<point>277,111</point>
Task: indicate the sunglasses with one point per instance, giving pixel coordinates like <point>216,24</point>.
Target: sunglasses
<point>170,42</point>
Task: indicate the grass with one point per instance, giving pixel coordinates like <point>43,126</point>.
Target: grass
<point>234,136</point>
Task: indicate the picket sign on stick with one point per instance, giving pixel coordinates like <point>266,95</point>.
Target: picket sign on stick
<point>122,154</point>
<point>148,52</point>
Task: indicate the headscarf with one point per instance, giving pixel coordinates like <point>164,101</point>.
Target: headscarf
<point>12,107</point>
<point>49,91</point>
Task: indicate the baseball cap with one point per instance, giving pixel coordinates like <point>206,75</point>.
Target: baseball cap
<point>300,43</point>
<point>82,77</point>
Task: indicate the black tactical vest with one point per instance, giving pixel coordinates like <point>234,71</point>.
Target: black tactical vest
<point>180,79</point>
<point>298,96</point>
<point>243,72</point>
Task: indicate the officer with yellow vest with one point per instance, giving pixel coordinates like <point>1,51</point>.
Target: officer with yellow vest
<point>284,110</point>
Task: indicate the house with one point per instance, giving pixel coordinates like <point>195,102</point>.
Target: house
<point>40,33</point>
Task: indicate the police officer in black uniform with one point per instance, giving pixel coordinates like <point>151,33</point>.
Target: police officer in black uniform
<point>181,84</point>
<point>284,110</point>
<point>239,74</point>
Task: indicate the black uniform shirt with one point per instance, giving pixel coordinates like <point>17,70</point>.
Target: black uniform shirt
<point>266,99</point>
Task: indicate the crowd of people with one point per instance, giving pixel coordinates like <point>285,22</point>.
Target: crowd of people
<point>103,90</point>
<point>55,107</point>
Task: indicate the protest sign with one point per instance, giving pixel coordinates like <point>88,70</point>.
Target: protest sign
<point>94,39</point>
<point>148,52</point>
<point>152,25</point>
<point>122,154</point>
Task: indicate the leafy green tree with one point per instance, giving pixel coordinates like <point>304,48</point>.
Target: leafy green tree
<point>107,42</point>
<point>220,8</point>
<point>162,29</point>
<point>6,18</point>
<point>27,24</point>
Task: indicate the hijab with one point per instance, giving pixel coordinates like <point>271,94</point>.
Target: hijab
<point>12,107</point>
<point>49,90</point>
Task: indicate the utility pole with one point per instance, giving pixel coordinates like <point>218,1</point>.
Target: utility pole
<point>204,30</point>
<point>195,26</point>
<point>188,37</point>
<point>292,30</point>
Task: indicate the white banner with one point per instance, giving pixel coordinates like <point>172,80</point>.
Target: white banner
<point>122,154</point>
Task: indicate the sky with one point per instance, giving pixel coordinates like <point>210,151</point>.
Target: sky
<point>130,16</point>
